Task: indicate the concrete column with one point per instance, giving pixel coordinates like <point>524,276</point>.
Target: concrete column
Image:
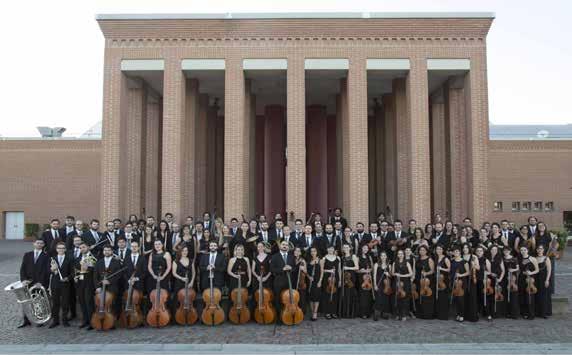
<point>210,163</point>
<point>113,98</point>
<point>151,162</point>
<point>332,153</point>
<point>390,153</point>
<point>345,158</point>
<point>357,135</point>
<point>418,102</point>
<point>250,102</point>
<point>372,163</point>
<point>295,138</point>
<point>379,161</point>
<point>317,145</point>
<point>191,117</point>
<point>438,154</point>
<point>274,164</point>
<point>402,149</point>
<point>201,162</point>
<point>236,140</point>
<point>173,154</point>
<point>219,164</point>
<point>259,171</point>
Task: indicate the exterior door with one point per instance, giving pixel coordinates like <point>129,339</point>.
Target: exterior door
<point>14,225</point>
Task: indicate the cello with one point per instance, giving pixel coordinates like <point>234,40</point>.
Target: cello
<point>186,314</point>
<point>131,316</point>
<point>102,318</point>
<point>291,313</point>
<point>238,313</point>
<point>158,316</point>
<point>265,312</point>
<point>212,313</point>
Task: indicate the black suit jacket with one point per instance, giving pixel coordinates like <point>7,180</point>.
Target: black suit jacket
<point>344,221</point>
<point>101,271</point>
<point>335,241</point>
<point>219,270</point>
<point>276,267</point>
<point>111,239</point>
<point>66,270</point>
<point>35,272</point>
<point>170,244</point>
<point>140,270</point>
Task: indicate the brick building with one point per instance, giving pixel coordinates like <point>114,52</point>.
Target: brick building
<point>266,113</point>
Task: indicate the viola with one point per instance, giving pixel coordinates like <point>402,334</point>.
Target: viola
<point>212,312</point>
<point>131,316</point>
<point>400,288</point>
<point>387,290</point>
<point>441,285</point>
<point>332,287</point>
<point>103,318</point>
<point>348,282</point>
<point>499,297</point>
<point>425,285</point>
<point>366,282</point>
<point>301,284</point>
<point>414,292</point>
<point>489,290</point>
<point>186,314</point>
<point>239,313</point>
<point>530,287</point>
<point>458,290</point>
<point>291,313</point>
<point>264,312</point>
<point>513,286</point>
<point>158,316</point>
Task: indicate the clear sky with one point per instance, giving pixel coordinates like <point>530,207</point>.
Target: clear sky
<point>52,56</point>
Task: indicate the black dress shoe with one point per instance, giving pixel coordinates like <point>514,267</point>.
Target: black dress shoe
<point>89,328</point>
<point>83,325</point>
<point>25,324</point>
<point>66,323</point>
<point>53,325</point>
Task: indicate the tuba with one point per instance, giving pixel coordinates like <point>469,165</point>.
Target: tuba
<point>34,300</point>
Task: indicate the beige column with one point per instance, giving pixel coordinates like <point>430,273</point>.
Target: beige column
<point>357,134</point>
<point>113,98</point>
<point>438,153</point>
<point>250,109</point>
<point>390,153</point>
<point>236,141</point>
<point>173,154</point>
<point>201,155</point>
<point>296,138</point>
<point>418,103</point>
<point>151,162</point>
<point>379,161</point>
<point>191,114</point>
<point>402,150</point>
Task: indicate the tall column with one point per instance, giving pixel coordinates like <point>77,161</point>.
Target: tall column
<point>191,116</point>
<point>274,179</point>
<point>210,191</point>
<point>296,138</point>
<point>402,150</point>
<point>236,141</point>
<point>438,153</point>
<point>418,101</point>
<point>152,156</point>
<point>250,109</point>
<point>390,153</point>
<point>173,154</point>
<point>201,154</point>
<point>357,135</point>
<point>379,161</point>
<point>113,97</point>
<point>344,146</point>
<point>478,137</point>
<point>316,151</point>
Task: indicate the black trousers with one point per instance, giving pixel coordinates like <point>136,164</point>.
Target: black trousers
<point>72,301</point>
<point>85,294</point>
<point>60,300</point>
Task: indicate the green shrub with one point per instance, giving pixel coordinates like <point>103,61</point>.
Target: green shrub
<point>562,236</point>
<point>31,229</point>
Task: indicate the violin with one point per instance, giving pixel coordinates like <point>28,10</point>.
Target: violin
<point>332,287</point>
<point>103,318</point>
<point>366,283</point>
<point>441,285</point>
<point>301,284</point>
<point>291,313</point>
<point>414,293</point>
<point>239,314</point>
<point>425,285</point>
<point>158,316</point>
<point>387,290</point>
<point>513,285</point>
<point>530,287</point>
<point>265,312</point>
<point>131,316</point>
<point>212,313</point>
<point>348,282</point>
<point>489,290</point>
<point>499,297</point>
<point>186,314</point>
<point>458,290</point>
<point>400,291</point>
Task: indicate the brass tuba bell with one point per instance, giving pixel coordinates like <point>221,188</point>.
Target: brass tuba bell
<point>34,300</point>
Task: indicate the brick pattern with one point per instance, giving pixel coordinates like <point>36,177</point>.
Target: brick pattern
<point>134,189</point>
<point>201,154</point>
<point>296,138</point>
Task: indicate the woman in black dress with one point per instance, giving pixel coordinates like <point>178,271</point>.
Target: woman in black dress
<point>425,268</point>
<point>365,264</point>
<point>314,291</point>
<point>147,240</point>
<point>347,240</point>
<point>511,286</point>
<point>183,270</point>
<point>498,276</point>
<point>528,271</point>
<point>402,272</point>
<point>471,291</point>
<point>484,300</point>
<point>496,236</point>
<point>298,272</point>
<point>349,265</point>
<point>239,238</point>
<point>189,241</point>
<point>381,273</point>
<point>163,233</point>
<point>159,267</point>
<point>330,283</point>
<point>239,267</point>
<point>543,296</point>
<point>459,272</point>
<point>442,271</point>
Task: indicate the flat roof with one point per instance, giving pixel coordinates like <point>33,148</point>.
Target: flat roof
<point>295,15</point>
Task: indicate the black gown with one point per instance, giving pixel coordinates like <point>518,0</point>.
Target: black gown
<point>458,267</point>
<point>239,266</point>
<point>158,265</point>
<point>382,301</point>
<point>471,295</point>
<point>485,305</point>
<point>262,268</point>
<point>424,305</point>
<point>365,296</point>
<point>498,307</point>
<point>512,297</point>
<point>329,304</point>
<point>182,271</point>
<point>402,304</point>
<point>543,294</point>
<point>349,292</point>
<point>442,298</point>
<point>314,291</point>
<point>527,303</point>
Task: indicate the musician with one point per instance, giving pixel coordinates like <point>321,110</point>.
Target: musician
<point>459,272</point>
<point>122,250</point>
<point>298,273</point>
<point>35,269</point>
<point>314,273</point>
<point>52,236</point>
<point>61,267</point>
<point>174,239</point>
<point>239,267</point>
<point>189,241</point>
<point>169,219</point>
<point>261,268</point>
<point>337,217</point>
<point>364,282</point>
<point>74,253</point>
<point>440,238</point>
<point>471,291</point>
<point>202,242</point>
<point>110,235</point>
<point>207,223</point>
<point>526,281</point>
<point>330,281</point>
<point>512,268</point>
<point>147,240</point>
<point>135,267</point>
<point>225,241</point>
<point>84,286</point>
<point>233,226</point>
<point>527,241</point>
<point>499,280</point>
<point>117,227</point>
<point>130,234</point>
<point>68,230</point>
<point>412,226</point>
<point>150,221</point>
<point>297,232</point>
<point>360,237</point>
<point>105,267</point>
<point>338,230</point>
<point>264,235</point>
<point>183,271</point>
<point>375,243</point>
<point>280,264</point>
<point>542,302</point>
<point>93,237</point>
<point>163,232</point>
<point>77,231</point>
<point>277,233</point>
<point>382,287</point>
<point>402,271</point>
<point>159,264</point>
<point>485,301</point>
<point>307,240</point>
<point>424,269</point>
<point>215,261</point>
<point>532,226</point>
<point>442,270</point>
<point>512,237</point>
<point>330,239</point>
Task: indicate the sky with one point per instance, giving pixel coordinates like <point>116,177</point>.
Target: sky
<point>52,56</point>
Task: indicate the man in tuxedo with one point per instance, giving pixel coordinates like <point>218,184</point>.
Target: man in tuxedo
<point>532,226</point>
<point>440,237</point>
<point>92,237</point>
<point>110,235</point>
<point>281,264</point>
<point>169,219</point>
<point>77,231</point>
<point>173,238</point>
<point>104,268</point>
<point>375,236</point>
<point>287,236</point>
<point>216,262</point>
<point>151,222</point>
<point>296,234</point>
<point>84,285</point>
<point>330,239</point>
<point>467,222</point>
<point>307,240</point>
<point>117,227</point>
<point>387,238</point>
<point>135,267</point>
<point>277,233</point>
<point>122,250</point>
<point>35,269</point>
<point>130,234</point>
<point>61,273</point>
<point>412,226</point>
<point>74,253</point>
<point>207,223</point>
<point>401,237</point>
<point>360,237</point>
<point>52,236</point>
<point>264,235</point>
<point>233,226</point>
<point>337,217</point>
<point>68,229</point>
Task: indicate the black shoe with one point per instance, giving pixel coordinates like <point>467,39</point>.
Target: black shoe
<point>335,316</point>
<point>89,328</point>
<point>65,323</point>
<point>25,324</point>
<point>53,325</point>
<point>83,325</point>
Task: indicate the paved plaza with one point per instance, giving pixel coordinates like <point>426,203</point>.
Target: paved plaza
<point>413,336</point>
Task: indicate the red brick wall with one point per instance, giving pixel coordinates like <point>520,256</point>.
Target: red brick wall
<point>50,178</point>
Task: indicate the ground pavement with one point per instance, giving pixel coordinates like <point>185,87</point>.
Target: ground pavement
<point>413,336</point>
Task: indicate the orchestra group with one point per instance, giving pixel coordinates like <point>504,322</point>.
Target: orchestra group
<point>155,273</point>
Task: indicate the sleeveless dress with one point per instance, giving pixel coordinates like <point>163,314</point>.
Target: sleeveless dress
<point>349,292</point>
<point>382,301</point>
<point>458,267</point>
<point>402,303</point>
<point>526,301</point>
<point>425,305</point>
<point>543,294</point>
<point>365,296</point>
<point>329,304</point>
<point>442,298</point>
<point>262,268</point>
<point>471,295</point>
<point>485,306</point>
<point>158,265</point>
<point>314,291</point>
<point>498,307</point>
<point>240,266</point>
<point>182,271</point>
<point>513,305</point>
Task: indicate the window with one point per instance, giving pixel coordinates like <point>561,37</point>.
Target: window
<point>516,206</point>
<point>526,206</point>
<point>549,206</point>
<point>538,206</point>
<point>497,206</point>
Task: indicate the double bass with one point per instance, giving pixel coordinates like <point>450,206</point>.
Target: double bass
<point>239,312</point>
<point>131,316</point>
<point>291,313</point>
<point>264,312</point>
<point>103,318</point>
<point>186,313</point>
<point>212,312</point>
<point>158,316</point>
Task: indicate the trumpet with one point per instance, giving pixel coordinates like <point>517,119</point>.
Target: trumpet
<point>55,267</point>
